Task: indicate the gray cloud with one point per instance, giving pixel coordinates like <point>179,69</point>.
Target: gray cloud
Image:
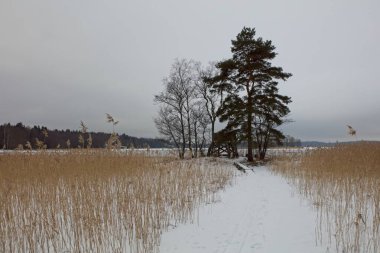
<point>66,61</point>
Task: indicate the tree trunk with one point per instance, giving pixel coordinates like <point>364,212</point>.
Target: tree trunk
<point>209,151</point>
<point>190,140</point>
<point>182,154</point>
<point>249,128</point>
<point>195,139</point>
<point>265,145</point>
<point>203,142</point>
<point>189,131</point>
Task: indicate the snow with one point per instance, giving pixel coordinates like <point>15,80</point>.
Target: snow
<point>259,213</point>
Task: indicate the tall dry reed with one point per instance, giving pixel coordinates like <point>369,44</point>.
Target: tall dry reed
<point>99,201</point>
<point>343,183</point>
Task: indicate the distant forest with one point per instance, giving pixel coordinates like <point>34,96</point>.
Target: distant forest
<point>13,136</point>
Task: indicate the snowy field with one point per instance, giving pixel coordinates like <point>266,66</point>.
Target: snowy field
<point>142,151</point>
<point>272,152</point>
<point>259,213</point>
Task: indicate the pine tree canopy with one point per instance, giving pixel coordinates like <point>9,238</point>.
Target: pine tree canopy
<point>248,83</point>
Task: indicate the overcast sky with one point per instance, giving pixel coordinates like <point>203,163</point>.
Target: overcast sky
<point>66,61</point>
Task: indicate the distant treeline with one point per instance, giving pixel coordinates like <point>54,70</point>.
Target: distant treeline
<point>288,141</point>
<point>13,136</point>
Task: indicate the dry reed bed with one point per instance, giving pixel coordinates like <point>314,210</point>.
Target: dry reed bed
<point>343,184</point>
<point>99,201</point>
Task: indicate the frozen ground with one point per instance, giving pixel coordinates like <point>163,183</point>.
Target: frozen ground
<point>170,151</point>
<point>259,213</point>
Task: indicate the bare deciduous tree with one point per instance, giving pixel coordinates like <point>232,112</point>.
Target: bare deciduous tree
<point>169,125</point>
<point>188,106</point>
<point>177,96</point>
<point>201,128</point>
<point>209,97</point>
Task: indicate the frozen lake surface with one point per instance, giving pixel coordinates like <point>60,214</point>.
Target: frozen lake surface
<point>259,213</point>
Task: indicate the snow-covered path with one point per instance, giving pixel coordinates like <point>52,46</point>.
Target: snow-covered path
<point>258,213</point>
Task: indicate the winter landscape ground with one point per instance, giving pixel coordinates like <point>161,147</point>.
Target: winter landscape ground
<point>259,213</point>
<point>107,201</point>
<point>181,126</point>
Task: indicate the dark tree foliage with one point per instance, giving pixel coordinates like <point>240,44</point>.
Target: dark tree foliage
<point>248,88</point>
<point>11,136</point>
<point>270,110</point>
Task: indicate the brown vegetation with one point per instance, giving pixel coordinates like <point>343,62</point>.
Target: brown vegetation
<point>99,201</point>
<point>343,184</point>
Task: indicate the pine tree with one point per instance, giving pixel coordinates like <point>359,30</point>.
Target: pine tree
<point>269,112</point>
<point>243,78</point>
